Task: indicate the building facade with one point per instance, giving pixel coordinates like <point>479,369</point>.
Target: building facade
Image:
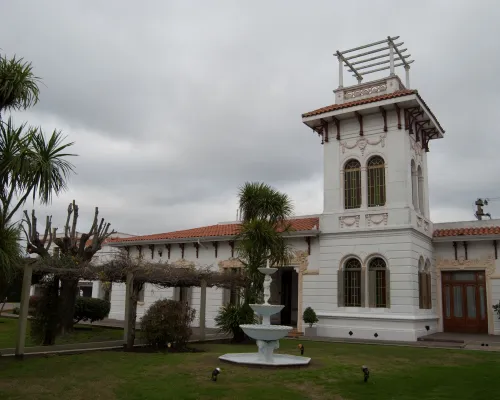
<point>372,265</point>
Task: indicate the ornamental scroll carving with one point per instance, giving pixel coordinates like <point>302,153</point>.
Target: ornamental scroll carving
<point>485,262</point>
<point>349,221</point>
<point>364,92</point>
<point>230,263</point>
<point>376,219</point>
<point>417,149</point>
<point>300,258</point>
<point>183,263</point>
<point>362,142</point>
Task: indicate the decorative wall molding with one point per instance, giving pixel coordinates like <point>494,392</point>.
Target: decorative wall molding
<point>485,262</point>
<point>183,263</point>
<point>380,88</point>
<point>426,225</point>
<point>362,142</point>
<point>230,263</point>
<point>349,221</point>
<point>420,221</point>
<point>300,258</point>
<point>376,219</point>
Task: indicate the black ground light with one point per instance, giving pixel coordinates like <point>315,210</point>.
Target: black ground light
<point>366,372</point>
<point>215,372</point>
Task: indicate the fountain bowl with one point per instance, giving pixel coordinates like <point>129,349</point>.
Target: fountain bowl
<point>253,360</point>
<point>267,271</point>
<point>266,310</point>
<point>266,332</point>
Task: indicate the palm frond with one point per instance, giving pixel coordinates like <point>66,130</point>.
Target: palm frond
<point>18,84</point>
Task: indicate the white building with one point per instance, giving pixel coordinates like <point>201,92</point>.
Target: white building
<point>372,265</point>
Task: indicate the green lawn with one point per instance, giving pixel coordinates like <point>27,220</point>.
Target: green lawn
<point>82,333</point>
<point>400,373</point>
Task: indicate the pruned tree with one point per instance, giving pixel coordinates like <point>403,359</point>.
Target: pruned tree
<point>74,248</point>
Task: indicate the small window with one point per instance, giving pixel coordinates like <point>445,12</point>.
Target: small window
<point>376,181</point>
<point>378,283</point>
<point>352,184</point>
<point>352,283</point>
<point>140,296</point>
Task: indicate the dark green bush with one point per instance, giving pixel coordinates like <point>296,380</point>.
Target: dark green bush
<point>89,309</point>
<point>230,317</point>
<point>16,311</point>
<point>309,317</point>
<point>167,321</point>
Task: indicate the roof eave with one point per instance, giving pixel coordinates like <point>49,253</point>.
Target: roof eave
<point>306,233</point>
<point>310,121</point>
<point>465,238</point>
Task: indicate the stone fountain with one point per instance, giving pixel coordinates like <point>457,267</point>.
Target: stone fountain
<point>266,335</point>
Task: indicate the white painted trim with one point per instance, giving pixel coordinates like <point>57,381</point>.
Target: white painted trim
<point>385,317</point>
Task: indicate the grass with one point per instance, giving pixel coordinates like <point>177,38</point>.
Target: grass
<point>401,373</point>
<point>82,334</point>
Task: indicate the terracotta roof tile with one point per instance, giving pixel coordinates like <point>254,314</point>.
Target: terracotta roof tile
<point>488,230</point>
<point>299,224</point>
<point>333,107</point>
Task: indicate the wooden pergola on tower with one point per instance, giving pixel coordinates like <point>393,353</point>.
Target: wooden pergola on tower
<point>359,63</point>
<point>135,273</point>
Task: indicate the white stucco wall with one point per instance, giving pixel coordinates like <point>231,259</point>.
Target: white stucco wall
<point>206,258</point>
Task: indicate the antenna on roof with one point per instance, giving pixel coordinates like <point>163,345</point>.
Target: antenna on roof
<point>356,62</point>
<point>479,212</point>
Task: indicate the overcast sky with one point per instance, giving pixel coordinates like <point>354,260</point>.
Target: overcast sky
<point>173,105</point>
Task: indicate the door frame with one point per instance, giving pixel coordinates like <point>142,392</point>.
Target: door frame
<point>484,262</point>
<point>464,324</point>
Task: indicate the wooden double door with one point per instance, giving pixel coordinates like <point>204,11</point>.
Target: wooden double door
<point>464,302</point>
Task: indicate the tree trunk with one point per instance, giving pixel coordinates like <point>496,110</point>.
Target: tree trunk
<point>69,291</point>
<point>51,294</point>
<point>134,295</point>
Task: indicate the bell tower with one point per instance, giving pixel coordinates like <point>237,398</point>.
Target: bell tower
<point>375,141</point>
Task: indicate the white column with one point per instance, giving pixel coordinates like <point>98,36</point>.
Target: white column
<point>203,306</point>
<point>23,312</point>
<point>341,72</point>
<point>391,57</point>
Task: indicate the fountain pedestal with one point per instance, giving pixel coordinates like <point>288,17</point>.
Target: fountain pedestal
<point>266,335</point>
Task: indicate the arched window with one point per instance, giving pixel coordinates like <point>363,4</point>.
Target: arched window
<point>352,184</point>
<point>378,281</point>
<point>350,284</point>
<point>414,185</point>
<point>420,190</point>
<point>376,181</point>
<point>424,284</point>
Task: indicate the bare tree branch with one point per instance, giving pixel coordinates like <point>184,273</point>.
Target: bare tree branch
<point>73,228</point>
<point>66,227</point>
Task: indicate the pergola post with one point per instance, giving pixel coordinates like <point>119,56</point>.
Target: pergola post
<point>128,293</point>
<point>23,312</point>
<point>203,306</point>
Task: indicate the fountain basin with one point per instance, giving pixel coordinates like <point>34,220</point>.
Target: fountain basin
<point>254,359</point>
<point>267,271</point>
<point>266,310</point>
<point>266,332</point>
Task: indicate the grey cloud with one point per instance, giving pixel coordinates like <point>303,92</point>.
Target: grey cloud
<point>175,104</point>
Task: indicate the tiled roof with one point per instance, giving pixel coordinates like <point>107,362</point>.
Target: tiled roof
<point>333,107</point>
<point>488,230</point>
<point>299,224</point>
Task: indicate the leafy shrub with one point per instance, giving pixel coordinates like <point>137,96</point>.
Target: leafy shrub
<point>230,317</point>
<point>496,308</point>
<point>167,321</point>
<point>16,311</point>
<point>33,302</point>
<point>89,309</point>
<point>309,317</point>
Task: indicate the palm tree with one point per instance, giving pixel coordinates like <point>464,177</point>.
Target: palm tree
<point>265,213</point>
<point>30,163</point>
